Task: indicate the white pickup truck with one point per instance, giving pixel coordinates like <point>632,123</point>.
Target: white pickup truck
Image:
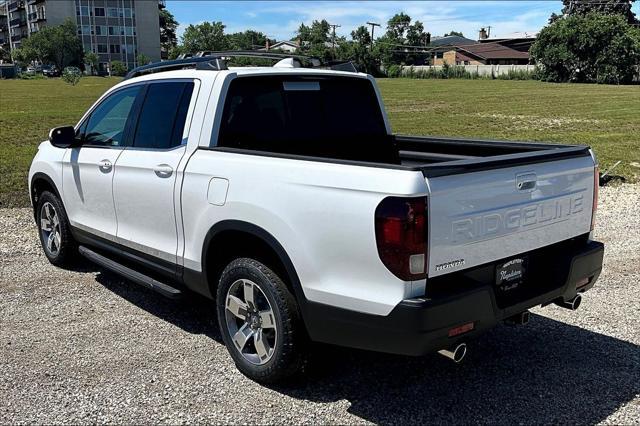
<point>282,194</point>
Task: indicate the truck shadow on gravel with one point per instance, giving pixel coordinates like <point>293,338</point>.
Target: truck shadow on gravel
<point>544,372</point>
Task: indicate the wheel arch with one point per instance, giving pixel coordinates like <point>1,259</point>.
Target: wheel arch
<point>230,239</point>
<point>41,182</point>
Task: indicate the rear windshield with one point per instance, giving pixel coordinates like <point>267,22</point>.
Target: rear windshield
<point>336,117</point>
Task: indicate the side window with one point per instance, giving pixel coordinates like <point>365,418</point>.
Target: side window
<point>163,115</point>
<point>107,123</point>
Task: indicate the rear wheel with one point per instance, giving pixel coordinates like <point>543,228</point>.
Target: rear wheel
<point>260,322</point>
<point>54,229</point>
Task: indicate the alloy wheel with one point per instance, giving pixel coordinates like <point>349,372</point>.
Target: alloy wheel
<point>250,322</point>
<point>50,228</point>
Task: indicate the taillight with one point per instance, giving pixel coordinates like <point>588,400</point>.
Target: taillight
<point>401,236</point>
<point>596,185</point>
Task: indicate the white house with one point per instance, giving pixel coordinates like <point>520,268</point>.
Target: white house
<point>287,46</point>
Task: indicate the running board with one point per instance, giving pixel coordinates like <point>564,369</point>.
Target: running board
<point>135,276</point>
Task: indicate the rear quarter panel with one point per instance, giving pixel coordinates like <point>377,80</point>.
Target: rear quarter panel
<point>321,213</point>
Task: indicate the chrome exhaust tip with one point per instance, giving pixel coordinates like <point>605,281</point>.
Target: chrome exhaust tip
<point>456,354</point>
<point>518,319</point>
<point>571,304</point>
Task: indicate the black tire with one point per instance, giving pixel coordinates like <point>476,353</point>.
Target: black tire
<point>65,252</point>
<point>289,350</point>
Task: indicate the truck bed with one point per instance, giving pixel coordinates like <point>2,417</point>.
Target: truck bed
<point>439,156</point>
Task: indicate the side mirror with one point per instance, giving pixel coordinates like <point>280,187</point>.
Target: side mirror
<point>63,137</point>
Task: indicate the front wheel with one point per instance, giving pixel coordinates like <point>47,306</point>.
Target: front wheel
<point>54,229</point>
<point>260,322</point>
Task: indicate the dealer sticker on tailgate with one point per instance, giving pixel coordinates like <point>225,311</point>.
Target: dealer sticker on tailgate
<point>510,275</point>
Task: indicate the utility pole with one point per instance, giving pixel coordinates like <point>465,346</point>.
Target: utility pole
<point>373,26</point>
<point>333,38</point>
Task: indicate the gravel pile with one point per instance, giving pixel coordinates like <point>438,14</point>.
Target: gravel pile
<point>84,346</point>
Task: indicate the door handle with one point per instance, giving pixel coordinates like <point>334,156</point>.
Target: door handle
<point>105,166</point>
<point>526,181</point>
<point>163,170</point>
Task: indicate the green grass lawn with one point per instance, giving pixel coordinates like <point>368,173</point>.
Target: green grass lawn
<point>28,110</point>
<point>605,117</point>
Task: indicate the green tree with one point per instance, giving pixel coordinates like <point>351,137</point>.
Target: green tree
<point>208,36</point>
<point>5,55</point>
<point>58,44</point>
<point>143,59</point>
<point>176,51</point>
<point>25,55</point>
<point>398,25</point>
<point>361,35</point>
<point>360,52</point>
<point>314,39</point>
<point>606,7</point>
<point>168,26</point>
<point>303,33</point>
<point>592,48</point>
<point>454,33</point>
<point>91,59</point>
<point>400,32</point>
<point>246,40</point>
<point>416,36</point>
<point>118,68</point>
<point>319,32</point>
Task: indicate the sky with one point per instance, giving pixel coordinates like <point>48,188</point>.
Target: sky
<point>280,19</point>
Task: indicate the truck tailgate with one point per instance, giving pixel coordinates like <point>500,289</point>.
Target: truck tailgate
<point>487,215</point>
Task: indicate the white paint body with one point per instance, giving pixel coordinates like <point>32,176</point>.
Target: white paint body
<point>321,213</point>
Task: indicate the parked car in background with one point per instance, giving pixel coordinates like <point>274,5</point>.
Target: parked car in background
<point>73,70</point>
<point>30,70</point>
<point>50,71</point>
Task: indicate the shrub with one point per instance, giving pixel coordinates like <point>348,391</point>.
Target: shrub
<point>71,75</point>
<point>519,75</point>
<point>91,61</point>
<point>447,71</point>
<point>143,59</point>
<point>118,68</point>
<point>394,71</point>
<point>593,48</point>
<point>25,76</point>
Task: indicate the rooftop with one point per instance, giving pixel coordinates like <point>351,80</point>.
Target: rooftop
<point>493,51</point>
<point>453,40</point>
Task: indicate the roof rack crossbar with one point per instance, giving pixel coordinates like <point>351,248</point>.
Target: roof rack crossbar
<point>216,61</point>
<point>257,54</point>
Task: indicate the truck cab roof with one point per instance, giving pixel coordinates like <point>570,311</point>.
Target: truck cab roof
<point>240,72</point>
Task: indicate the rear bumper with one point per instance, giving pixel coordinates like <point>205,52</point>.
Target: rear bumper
<point>421,325</point>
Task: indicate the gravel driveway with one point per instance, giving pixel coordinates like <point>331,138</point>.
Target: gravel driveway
<point>84,346</point>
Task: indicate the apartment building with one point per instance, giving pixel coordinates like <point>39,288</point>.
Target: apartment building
<point>114,29</point>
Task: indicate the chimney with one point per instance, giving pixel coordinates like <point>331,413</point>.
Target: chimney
<point>267,45</point>
<point>483,34</point>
